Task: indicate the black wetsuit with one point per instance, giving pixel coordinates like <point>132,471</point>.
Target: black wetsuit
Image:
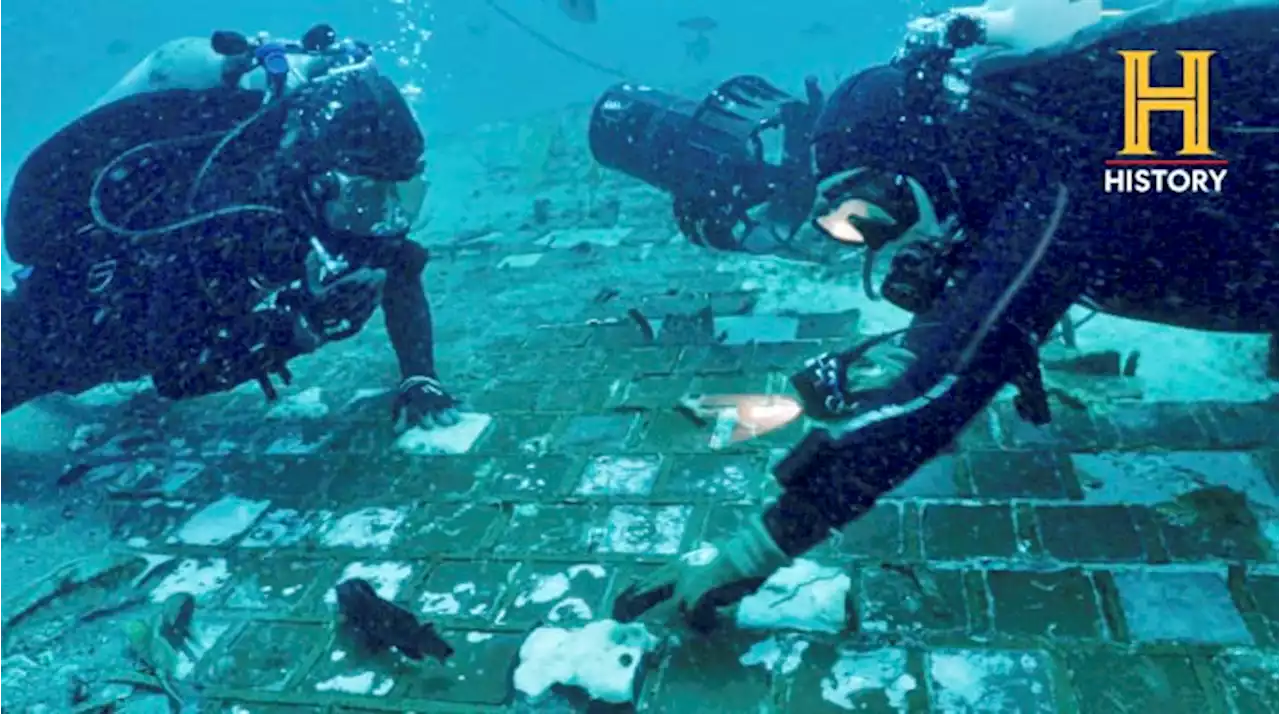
<point>1026,157</point>
<point>184,306</point>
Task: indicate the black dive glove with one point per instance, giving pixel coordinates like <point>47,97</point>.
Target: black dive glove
<point>423,402</point>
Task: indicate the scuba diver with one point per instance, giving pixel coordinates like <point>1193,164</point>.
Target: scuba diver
<point>232,204</point>
<point>1012,154</point>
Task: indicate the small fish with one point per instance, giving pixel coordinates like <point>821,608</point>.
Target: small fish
<point>818,29</point>
<point>699,24</point>
<point>698,49</point>
<point>583,11</point>
<point>119,47</point>
<point>381,624</point>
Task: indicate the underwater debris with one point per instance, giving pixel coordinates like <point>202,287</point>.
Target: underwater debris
<point>646,327</point>
<point>72,576</point>
<point>925,583</point>
<point>541,211</point>
<point>691,407</point>
<point>1102,363</point>
<point>1078,379</point>
<point>112,608</point>
<point>535,145</point>
<point>592,180</point>
<point>607,213</point>
<point>73,474</point>
<point>158,644</point>
<point>1220,515</point>
<point>380,625</point>
<point>1130,367</point>
<point>1215,506</point>
<point>693,328</point>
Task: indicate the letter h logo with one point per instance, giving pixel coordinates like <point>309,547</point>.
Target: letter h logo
<point>1191,99</point>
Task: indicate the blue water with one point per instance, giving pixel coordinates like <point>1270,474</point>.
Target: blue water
<point>474,67</point>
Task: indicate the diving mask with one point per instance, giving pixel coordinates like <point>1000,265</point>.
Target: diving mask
<point>865,207</point>
<point>374,207</point>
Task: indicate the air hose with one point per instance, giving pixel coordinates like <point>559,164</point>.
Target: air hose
<point>95,198</point>
<point>99,217</point>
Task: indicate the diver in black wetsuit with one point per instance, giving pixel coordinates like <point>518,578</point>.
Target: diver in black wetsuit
<point>206,235</point>
<point>1017,162</point>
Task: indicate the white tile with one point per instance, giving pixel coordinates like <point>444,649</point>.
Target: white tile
<point>1180,607</point>
<point>220,521</point>
<point>619,476</point>
<point>445,440</point>
<point>524,260</point>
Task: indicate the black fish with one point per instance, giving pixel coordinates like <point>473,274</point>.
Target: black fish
<point>380,624</point>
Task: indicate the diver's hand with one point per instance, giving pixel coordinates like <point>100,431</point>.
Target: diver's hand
<point>716,576</point>
<point>423,402</point>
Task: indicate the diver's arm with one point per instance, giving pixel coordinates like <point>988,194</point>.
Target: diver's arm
<point>404,299</point>
<point>1020,290</point>
<point>407,312</point>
